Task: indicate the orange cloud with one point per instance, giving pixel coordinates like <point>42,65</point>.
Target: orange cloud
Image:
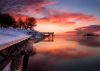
<point>60,17</point>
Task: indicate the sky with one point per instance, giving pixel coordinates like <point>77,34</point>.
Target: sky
<point>79,11</point>
<point>91,7</point>
<point>56,15</point>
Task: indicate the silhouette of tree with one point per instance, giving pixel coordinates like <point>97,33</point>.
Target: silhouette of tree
<point>30,23</point>
<point>7,21</point>
<point>20,23</point>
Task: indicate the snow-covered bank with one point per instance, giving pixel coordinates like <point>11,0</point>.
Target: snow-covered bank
<point>10,36</point>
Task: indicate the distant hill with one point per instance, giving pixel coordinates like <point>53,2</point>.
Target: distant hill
<point>88,29</point>
<point>91,28</point>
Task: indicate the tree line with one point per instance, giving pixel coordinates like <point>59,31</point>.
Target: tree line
<point>6,20</point>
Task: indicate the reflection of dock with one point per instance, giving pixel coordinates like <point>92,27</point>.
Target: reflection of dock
<point>49,36</point>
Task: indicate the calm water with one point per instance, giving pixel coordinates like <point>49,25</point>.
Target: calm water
<point>64,53</point>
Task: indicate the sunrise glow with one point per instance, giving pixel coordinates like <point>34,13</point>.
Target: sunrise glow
<point>51,28</point>
<point>55,16</point>
<point>49,35</point>
<point>57,29</point>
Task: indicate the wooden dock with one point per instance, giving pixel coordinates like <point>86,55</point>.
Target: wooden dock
<point>16,46</point>
<point>49,36</point>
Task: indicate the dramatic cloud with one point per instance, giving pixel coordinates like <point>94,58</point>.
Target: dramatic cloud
<point>33,7</point>
<point>60,17</point>
<point>23,5</point>
<point>92,28</point>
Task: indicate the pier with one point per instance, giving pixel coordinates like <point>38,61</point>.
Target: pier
<point>13,49</point>
<point>16,45</point>
<point>49,36</point>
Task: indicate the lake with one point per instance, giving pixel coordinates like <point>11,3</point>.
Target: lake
<point>67,53</point>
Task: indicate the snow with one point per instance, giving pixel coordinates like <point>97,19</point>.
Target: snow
<point>10,36</point>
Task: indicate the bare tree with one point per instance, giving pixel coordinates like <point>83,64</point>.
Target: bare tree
<point>7,21</point>
<point>30,23</point>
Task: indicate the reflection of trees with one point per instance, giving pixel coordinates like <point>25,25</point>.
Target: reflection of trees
<point>89,41</point>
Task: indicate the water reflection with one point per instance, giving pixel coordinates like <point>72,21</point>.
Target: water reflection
<point>63,50</point>
<point>89,41</point>
<point>69,43</point>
